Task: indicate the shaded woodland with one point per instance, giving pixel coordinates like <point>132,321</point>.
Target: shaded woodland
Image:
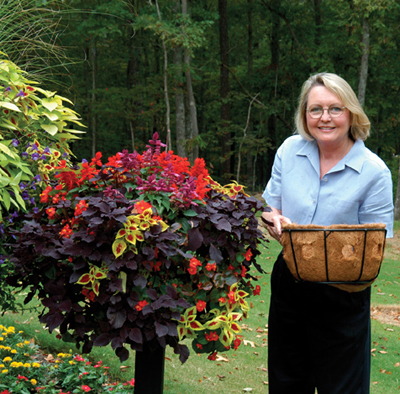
<point>220,79</point>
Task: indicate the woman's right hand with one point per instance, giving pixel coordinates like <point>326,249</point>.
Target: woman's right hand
<point>275,220</point>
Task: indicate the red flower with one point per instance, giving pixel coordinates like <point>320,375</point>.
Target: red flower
<point>248,255</point>
<point>244,271</point>
<point>222,300</point>
<point>86,388</point>
<point>211,266</point>
<point>257,290</point>
<point>81,207</point>
<point>66,232</point>
<point>200,306</point>
<point>236,343</point>
<point>141,206</point>
<point>212,356</point>
<point>212,336</point>
<point>231,297</point>
<point>51,212</point>
<point>199,345</point>
<point>5,392</point>
<point>141,305</point>
<point>194,263</point>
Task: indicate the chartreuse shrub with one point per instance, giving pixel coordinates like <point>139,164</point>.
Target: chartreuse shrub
<point>35,129</point>
<point>34,135</point>
<point>142,249</point>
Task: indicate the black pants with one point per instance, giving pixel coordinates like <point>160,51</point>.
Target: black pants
<point>319,337</point>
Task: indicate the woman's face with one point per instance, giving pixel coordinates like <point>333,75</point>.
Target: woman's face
<point>328,131</point>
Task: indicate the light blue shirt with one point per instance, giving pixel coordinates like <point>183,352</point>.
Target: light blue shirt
<point>356,190</point>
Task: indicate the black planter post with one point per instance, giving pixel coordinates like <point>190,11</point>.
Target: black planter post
<point>149,369</point>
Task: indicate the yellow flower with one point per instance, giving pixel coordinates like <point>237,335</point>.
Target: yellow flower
<point>4,371</point>
<point>1,339</point>
<point>14,351</point>
<point>34,381</point>
<point>7,359</point>
<point>27,365</point>
<point>72,362</point>
<point>2,365</point>
<point>26,342</point>
<point>14,364</point>
<point>35,365</point>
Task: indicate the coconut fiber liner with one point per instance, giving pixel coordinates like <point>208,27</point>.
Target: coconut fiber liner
<point>345,256</point>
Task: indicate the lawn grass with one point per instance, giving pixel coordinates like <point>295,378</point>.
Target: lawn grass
<point>246,368</point>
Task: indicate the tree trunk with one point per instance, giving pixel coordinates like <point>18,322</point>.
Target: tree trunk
<point>274,67</point>
<point>249,159</point>
<point>318,22</point>
<point>362,84</point>
<point>179,104</point>
<point>397,202</point>
<point>224,88</point>
<point>167,115</point>
<point>92,60</point>
<point>193,130</point>
<point>132,80</point>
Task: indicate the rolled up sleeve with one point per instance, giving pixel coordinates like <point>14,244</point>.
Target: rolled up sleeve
<point>273,191</point>
<point>378,205</point>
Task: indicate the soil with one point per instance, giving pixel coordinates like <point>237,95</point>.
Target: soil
<point>386,314</point>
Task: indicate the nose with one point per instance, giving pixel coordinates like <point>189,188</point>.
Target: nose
<point>325,117</point>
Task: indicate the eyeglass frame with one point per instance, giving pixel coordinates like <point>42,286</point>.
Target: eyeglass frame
<point>327,109</point>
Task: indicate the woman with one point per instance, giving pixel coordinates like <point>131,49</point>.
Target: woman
<point>319,336</point>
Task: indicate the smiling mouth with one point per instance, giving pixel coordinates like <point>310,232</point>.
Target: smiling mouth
<point>326,128</point>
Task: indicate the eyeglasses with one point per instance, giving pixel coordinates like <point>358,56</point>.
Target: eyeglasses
<point>334,111</point>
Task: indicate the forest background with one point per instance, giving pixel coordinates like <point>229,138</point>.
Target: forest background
<point>217,79</point>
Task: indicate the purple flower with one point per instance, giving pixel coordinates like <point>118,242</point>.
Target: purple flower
<point>46,150</point>
<point>20,93</point>
<point>65,154</point>
<point>15,142</point>
<point>37,178</point>
<point>32,200</point>
<point>25,195</point>
<point>22,186</point>
<point>34,147</point>
<point>8,89</point>
<point>35,210</point>
<point>35,156</point>
<point>84,161</point>
<point>43,157</point>
<point>24,154</point>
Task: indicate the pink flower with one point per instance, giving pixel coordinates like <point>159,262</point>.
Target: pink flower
<point>86,388</point>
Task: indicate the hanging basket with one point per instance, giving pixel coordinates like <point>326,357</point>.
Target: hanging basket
<point>345,256</point>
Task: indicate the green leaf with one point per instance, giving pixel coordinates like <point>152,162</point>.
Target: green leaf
<point>16,180</point>
<point>5,149</point>
<point>190,213</point>
<point>50,104</point>
<point>51,129</point>
<point>8,105</point>
<point>4,181</point>
<point>18,197</point>
<point>6,199</point>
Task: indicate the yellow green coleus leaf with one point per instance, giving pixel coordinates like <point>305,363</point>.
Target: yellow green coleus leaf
<point>118,247</point>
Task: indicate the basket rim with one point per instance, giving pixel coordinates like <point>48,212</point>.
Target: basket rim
<point>347,227</point>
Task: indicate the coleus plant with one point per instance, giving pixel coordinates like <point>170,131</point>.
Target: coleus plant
<point>35,128</point>
<point>144,248</point>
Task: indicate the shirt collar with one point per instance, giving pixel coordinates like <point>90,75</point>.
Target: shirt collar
<point>354,158</point>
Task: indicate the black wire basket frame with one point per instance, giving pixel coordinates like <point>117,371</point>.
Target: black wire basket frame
<point>327,232</point>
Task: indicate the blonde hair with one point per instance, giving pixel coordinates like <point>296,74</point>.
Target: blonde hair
<point>360,124</point>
